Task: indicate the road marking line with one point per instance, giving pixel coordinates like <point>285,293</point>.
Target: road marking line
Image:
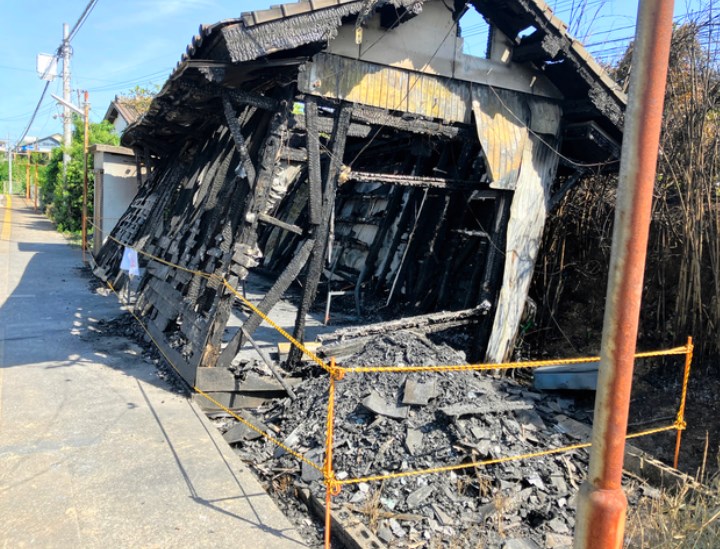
<point>2,366</point>
<point>5,235</point>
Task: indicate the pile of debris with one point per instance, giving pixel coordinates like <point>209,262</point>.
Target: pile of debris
<point>402,422</point>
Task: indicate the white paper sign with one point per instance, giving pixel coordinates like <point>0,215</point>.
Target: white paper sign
<point>129,262</point>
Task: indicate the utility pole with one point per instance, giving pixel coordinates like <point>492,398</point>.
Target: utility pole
<point>67,117</point>
<point>10,159</point>
<point>600,521</point>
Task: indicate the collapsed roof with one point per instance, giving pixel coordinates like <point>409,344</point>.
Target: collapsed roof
<point>352,144</point>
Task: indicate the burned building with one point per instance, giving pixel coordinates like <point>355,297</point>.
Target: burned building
<point>351,145</point>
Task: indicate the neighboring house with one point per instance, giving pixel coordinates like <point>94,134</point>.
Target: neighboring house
<point>43,145</point>
<point>115,169</point>
<point>361,129</point>
<point>121,113</point>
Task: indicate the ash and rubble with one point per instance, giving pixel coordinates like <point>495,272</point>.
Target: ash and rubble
<point>468,417</point>
<point>401,422</point>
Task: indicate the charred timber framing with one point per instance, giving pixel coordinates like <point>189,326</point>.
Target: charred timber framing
<point>319,253</point>
<point>431,198</point>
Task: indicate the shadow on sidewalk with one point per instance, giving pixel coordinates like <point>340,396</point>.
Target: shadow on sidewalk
<point>53,319</point>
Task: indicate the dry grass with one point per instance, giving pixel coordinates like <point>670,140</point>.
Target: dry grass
<point>685,518</point>
<point>371,508</point>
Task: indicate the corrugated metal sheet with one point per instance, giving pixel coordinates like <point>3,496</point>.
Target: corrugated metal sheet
<point>387,87</point>
<point>502,135</point>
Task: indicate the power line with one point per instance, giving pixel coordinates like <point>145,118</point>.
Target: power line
<point>86,12</point>
<point>81,20</point>
<point>34,114</point>
<point>135,80</point>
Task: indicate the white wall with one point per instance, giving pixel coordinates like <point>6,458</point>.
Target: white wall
<point>429,43</point>
<point>120,125</point>
<point>115,187</point>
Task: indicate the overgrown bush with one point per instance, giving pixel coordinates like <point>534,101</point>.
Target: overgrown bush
<point>63,197</point>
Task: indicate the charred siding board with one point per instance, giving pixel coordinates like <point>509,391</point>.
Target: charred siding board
<point>502,133</point>
<point>524,233</point>
<point>385,87</point>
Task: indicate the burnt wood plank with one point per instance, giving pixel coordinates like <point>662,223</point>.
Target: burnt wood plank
<point>235,130</point>
<point>277,223</point>
<point>281,285</point>
<point>185,369</point>
<point>313,162</point>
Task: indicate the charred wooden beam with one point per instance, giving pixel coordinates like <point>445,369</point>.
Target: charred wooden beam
<point>408,323</point>
<point>411,180</point>
<point>269,363</point>
<point>280,286</point>
<point>235,130</point>
<point>254,99</point>
<point>493,268</point>
<point>313,162</point>
<point>403,222</point>
<point>245,254</point>
<point>325,125</point>
<point>315,267</point>
<point>277,223</point>
<point>383,118</point>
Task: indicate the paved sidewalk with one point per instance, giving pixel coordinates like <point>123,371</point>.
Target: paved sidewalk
<point>96,450</point>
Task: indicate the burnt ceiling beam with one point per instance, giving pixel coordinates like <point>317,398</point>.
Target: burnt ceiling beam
<point>537,48</point>
<point>256,100</point>
<point>325,125</point>
<point>415,125</point>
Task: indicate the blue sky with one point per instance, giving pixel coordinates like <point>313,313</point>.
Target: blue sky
<point>138,42</point>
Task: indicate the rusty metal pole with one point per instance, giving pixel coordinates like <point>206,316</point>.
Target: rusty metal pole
<point>600,522</point>
<point>36,185</point>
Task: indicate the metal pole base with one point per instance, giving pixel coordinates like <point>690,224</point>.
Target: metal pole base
<point>600,520</point>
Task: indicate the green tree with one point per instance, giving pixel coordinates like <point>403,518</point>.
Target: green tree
<point>18,173</point>
<point>63,199</point>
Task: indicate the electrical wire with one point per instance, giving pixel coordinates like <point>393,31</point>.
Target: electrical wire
<point>81,20</point>
<point>138,79</point>
<point>34,114</point>
<point>58,52</point>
